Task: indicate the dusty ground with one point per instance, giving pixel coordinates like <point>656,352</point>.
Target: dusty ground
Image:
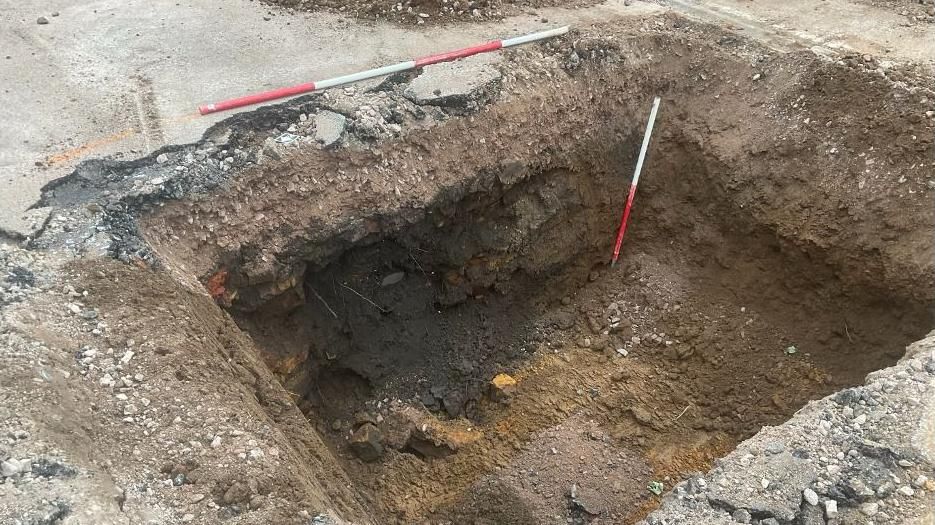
<point>120,91</point>
<point>781,251</point>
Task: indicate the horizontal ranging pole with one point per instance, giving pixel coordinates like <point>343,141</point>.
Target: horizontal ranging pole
<point>308,87</point>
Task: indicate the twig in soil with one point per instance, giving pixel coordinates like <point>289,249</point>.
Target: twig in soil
<point>375,305</point>
<point>419,266</point>
<point>682,413</point>
<point>847,332</point>
<point>320,298</point>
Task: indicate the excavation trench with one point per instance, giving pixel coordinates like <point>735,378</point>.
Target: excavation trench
<point>711,327</point>
<point>446,318</point>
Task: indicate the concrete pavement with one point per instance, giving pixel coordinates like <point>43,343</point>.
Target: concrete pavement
<point>123,77</point>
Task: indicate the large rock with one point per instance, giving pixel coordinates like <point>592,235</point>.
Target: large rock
<point>367,442</point>
<point>456,84</point>
<point>787,475</point>
<point>329,127</point>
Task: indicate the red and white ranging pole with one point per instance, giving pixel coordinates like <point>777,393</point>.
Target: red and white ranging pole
<point>635,181</point>
<point>308,87</point>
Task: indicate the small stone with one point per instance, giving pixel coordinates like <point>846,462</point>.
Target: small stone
<point>906,490</point>
<point>764,483</point>
<point>188,517</point>
<point>769,521</point>
<point>831,508</point>
<point>775,447</point>
<point>329,127</point>
<point>741,516</point>
<point>886,489</point>
<point>42,20</point>
<point>623,352</point>
<point>642,416</point>
<point>810,496</point>
<point>197,498</point>
<point>10,467</point>
<point>920,481</point>
<point>162,158</point>
<point>502,387</point>
<point>869,509</point>
<point>366,442</point>
<point>216,442</point>
<point>393,278</point>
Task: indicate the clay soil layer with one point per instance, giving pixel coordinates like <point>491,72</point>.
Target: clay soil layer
<point>779,251</point>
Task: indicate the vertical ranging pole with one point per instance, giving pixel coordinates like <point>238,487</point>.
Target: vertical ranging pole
<point>308,87</point>
<point>636,180</point>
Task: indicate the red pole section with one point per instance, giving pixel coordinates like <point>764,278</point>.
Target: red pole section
<point>459,53</point>
<point>299,89</point>
<point>257,98</point>
<point>636,180</point>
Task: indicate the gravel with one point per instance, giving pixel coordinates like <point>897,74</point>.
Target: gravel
<point>860,453</point>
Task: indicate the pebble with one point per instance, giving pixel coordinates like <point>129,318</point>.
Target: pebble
<point>810,496</point>
<point>775,447</point>
<point>162,158</point>
<point>12,467</point>
<point>869,508</point>
<point>216,442</point>
<point>42,20</point>
<point>741,516</point>
<point>920,481</point>
<point>906,490</point>
<point>831,508</point>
